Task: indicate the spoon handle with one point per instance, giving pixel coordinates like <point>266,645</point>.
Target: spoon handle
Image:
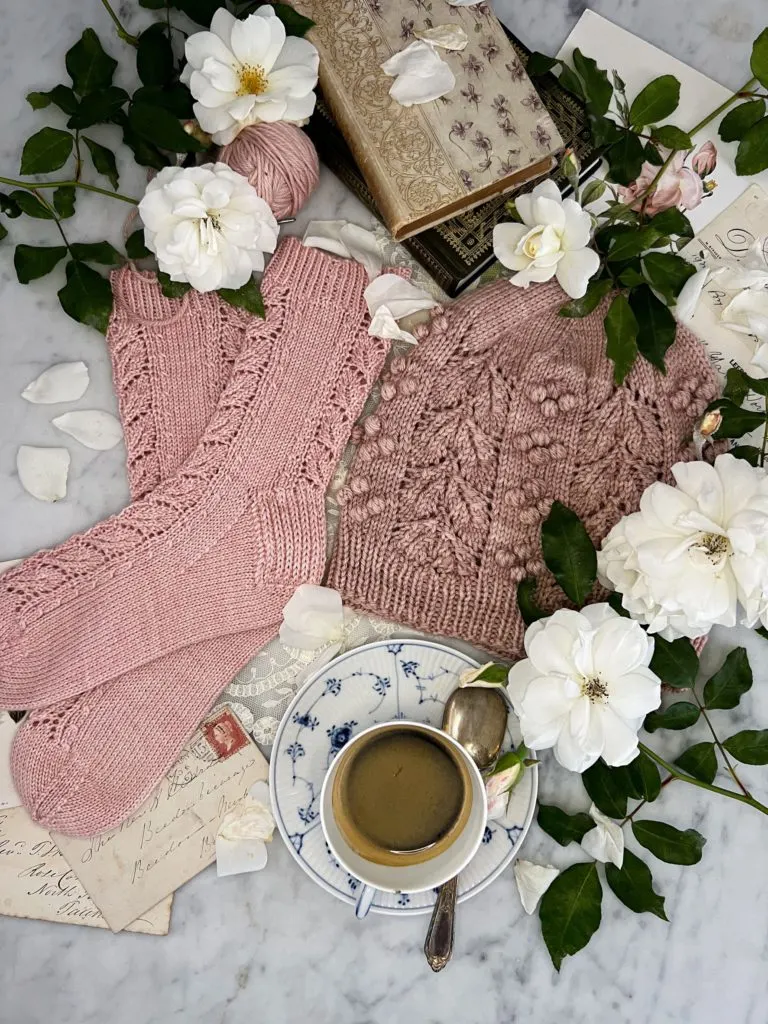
<point>438,945</point>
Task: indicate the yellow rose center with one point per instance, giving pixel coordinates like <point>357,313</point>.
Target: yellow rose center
<point>532,246</point>
<point>595,689</point>
<point>715,547</point>
<point>253,80</point>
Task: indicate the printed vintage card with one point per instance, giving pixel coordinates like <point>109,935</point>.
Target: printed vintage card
<point>36,882</point>
<point>172,836</point>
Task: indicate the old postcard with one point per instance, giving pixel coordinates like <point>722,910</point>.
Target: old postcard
<point>36,881</point>
<point>172,837</point>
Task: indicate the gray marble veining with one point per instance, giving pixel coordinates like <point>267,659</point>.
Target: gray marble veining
<point>272,947</point>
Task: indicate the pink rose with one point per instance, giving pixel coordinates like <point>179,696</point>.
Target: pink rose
<point>678,186</point>
<point>705,159</point>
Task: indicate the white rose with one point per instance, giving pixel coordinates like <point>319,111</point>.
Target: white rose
<point>243,72</point>
<point>207,225</point>
<point>552,241</point>
<point>585,687</point>
<point>685,561</point>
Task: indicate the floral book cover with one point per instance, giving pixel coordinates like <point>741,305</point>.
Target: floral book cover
<point>456,252</point>
<point>427,162</point>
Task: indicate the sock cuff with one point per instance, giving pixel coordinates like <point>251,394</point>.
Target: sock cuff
<point>316,277</point>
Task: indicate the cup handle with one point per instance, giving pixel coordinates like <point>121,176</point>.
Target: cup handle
<point>438,945</point>
<point>364,901</point>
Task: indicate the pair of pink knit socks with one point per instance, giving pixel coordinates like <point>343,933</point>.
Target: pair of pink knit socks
<point>122,637</point>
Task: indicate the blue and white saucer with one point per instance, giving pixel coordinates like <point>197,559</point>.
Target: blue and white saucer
<point>379,682</point>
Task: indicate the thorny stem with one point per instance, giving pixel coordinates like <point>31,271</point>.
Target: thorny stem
<point>676,773</point>
<point>68,184</point>
<point>720,747</point>
<point>124,34</point>
<point>645,196</point>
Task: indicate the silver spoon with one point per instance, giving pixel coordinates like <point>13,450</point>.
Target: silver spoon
<point>476,717</point>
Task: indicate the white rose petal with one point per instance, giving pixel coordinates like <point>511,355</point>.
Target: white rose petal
<point>64,382</point>
<point>552,241</point>
<point>207,225</point>
<point>43,471</point>
<point>533,880</point>
<point>345,239</point>
<point>585,687</point>
<point>313,617</point>
<point>695,555</point>
<point>421,75</point>
<point>11,563</point>
<point>384,325</point>
<point>605,842</point>
<point>748,312</point>
<point>690,294</point>
<point>245,71</point>
<point>243,832</point>
<point>91,427</point>
<point>498,787</point>
<point>449,37</point>
<point>390,298</point>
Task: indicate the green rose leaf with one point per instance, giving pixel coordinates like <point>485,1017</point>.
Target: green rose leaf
<point>154,56</point>
<point>607,788</point>
<point>295,24</point>
<point>680,715</point>
<point>571,82</point>
<point>45,151</point>
<point>172,289</point>
<point>89,67</point>
<point>672,222</point>
<point>568,552</point>
<point>738,121</point>
<point>103,161</point>
<point>33,261</point>
<point>135,247</point>
<point>735,421</point>
<point>594,295</point>
<point>668,843</point>
<point>752,154</point>
<point>644,776</point>
<point>152,5</point>
<point>526,601</point>
<point>30,205</point>
<point>700,761</point>
<point>631,278</point>
<point>667,273</point>
<point>9,206</point>
<point>747,452</point>
<point>248,297</point>
<point>564,828</point>
<point>749,746</point>
<point>144,152</point>
<point>605,132</point>
<point>736,385</point>
<point>759,60</point>
<point>539,64</point>
<point>625,159</point>
<point>633,885</point>
<point>64,201</point>
<point>675,662</point>
<point>61,95</point>
<point>728,685</point>
<point>656,101</point>
<point>652,155</point>
<point>656,327</point>
<point>200,11</point>
<point>176,99</point>
<point>614,600</point>
<point>86,296</point>
<point>672,137</point>
<point>593,191</point>
<point>630,243</point>
<point>161,128</point>
<point>570,911</point>
<point>97,252</point>
<point>98,107</point>
<point>621,332</point>
<point>597,87</point>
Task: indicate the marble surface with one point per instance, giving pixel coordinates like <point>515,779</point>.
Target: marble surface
<point>272,947</point>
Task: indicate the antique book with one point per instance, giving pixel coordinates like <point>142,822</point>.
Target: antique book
<point>428,162</point>
<point>458,251</point>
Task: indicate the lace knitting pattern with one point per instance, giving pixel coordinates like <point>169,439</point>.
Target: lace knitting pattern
<point>502,408</point>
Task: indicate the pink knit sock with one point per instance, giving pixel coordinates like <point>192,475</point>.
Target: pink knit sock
<point>75,772</point>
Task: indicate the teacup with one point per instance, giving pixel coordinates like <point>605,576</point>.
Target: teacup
<point>403,808</point>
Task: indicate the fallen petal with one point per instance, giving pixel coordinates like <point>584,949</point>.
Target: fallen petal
<point>691,292</point>
<point>345,239</point>
<point>606,842</point>
<point>421,75</point>
<point>91,427</point>
<point>450,37</point>
<point>312,617</point>
<point>43,471</point>
<point>5,566</point>
<point>533,880</point>
<point>64,382</point>
<point>400,296</point>
<point>384,325</point>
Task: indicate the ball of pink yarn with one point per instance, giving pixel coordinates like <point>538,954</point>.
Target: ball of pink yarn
<point>280,162</point>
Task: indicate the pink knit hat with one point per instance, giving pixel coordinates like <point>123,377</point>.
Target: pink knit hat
<point>502,408</point>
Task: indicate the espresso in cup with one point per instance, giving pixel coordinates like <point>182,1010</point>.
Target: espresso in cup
<point>402,795</point>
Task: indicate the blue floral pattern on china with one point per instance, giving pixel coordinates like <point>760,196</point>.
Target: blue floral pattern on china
<point>380,682</point>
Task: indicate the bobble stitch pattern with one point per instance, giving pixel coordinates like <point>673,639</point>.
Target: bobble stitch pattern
<point>358,485</point>
<point>375,506</point>
<point>387,446</point>
<point>388,391</point>
<point>372,426</point>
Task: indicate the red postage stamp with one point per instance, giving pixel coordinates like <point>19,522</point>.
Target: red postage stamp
<point>225,734</point>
